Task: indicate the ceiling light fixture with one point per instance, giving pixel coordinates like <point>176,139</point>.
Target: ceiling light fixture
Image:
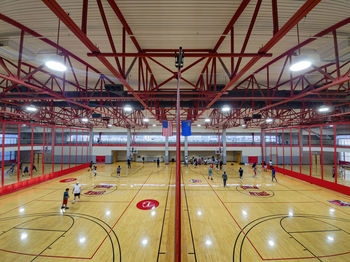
<point>31,108</point>
<point>269,120</point>
<point>146,120</point>
<point>323,109</point>
<point>127,108</point>
<point>56,63</point>
<point>207,120</point>
<point>225,109</point>
<point>85,120</point>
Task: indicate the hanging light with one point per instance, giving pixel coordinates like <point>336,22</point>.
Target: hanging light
<point>127,108</point>
<point>323,109</point>
<point>244,125</point>
<point>225,108</point>
<point>300,63</point>
<point>84,120</point>
<point>109,125</point>
<point>269,120</point>
<point>146,120</point>
<point>31,108</point>
<point>207,120</point>
<point>56,63</point>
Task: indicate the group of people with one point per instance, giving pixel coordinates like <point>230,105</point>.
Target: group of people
<point>204,161</point>
<point>240,171</point>
<point>24,171</point>
<point>76,192</point>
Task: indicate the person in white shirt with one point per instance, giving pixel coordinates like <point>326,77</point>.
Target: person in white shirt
<point>76,192</point>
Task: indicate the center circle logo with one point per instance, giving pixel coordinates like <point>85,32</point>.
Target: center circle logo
<point>68,180</point>
<point>147,204</point>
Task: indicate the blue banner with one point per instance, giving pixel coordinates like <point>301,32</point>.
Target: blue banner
<point>165,124</point>
<point>186,128</point>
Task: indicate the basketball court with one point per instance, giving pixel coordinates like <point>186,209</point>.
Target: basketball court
<point>158,130</point>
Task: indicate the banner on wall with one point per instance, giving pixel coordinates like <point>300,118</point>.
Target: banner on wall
<point>186,128</point>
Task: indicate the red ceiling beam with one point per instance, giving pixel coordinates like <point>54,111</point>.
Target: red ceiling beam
<point>300,14</point>
<point>67,20</point>
<point>185,54</point>
<point>233,20</point>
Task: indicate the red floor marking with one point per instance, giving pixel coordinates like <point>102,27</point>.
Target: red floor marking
<point>233,218</point>
<point>271,259</point>
<point>26,254</point>
<point>121,215</point>
<point>276,202</point>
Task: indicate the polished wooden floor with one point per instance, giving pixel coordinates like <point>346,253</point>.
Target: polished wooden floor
<point>252,219</point>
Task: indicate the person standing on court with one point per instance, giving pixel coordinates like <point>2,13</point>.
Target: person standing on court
<point>91,164</point>
<point>143,160</point>
<point>129,163</point>
<point>221,163</point>
<point>270,163</point>
<point>65,199</point>
<point>273,174</point>
<point>158,162</point>
<point>76,192</point>
<point>118,171</point>
<point>240,173</point>
<point>224,178</point>
<point>333,172</point>
<point>210,173</point>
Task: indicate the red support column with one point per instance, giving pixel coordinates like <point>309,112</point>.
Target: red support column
<point>178,171</point>
<point>265,148</point>
<point>283,145</point>
<point>18,152</point>
<point>276,150</point>
<point>84,16</point>
<point>82,146</point>
<point>310,155</point>
<point>53,149</point>
<point>3,154</point>
<point>76,146</point>
<point>31,154</point>
<point>270,145</point>
<point>299,150</point>
<point>321,152</point>
<point>62,149</point>
<point>291,149</point>
<point>335,153</point>
<point>70,144</point>
<point>43,160</point>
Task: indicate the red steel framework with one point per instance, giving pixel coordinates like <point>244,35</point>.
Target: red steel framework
<point>315,145</point>
<point>47,140</point>
<point>149,92</point>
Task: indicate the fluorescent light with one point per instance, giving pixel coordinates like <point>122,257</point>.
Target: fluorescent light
<point>85,120</point>
<point>198,125</point>
<point>269,120</point>
<point>146,120</point>
<point>109,125</point>
<point>207,120</point>
<point>300,65</point>
<point>154,125</point>
<point>244,125</point>
<point>225,109</point>
<point>56,65</point>
<point>323,109</point>
<point>127,108</point>
<point>31,108</point>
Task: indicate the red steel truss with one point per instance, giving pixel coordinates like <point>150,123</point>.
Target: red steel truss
<point>289,101</point>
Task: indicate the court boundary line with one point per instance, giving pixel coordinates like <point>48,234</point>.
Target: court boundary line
<point>165,210</point>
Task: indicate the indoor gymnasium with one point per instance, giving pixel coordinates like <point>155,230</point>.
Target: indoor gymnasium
<point>185,130</point>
